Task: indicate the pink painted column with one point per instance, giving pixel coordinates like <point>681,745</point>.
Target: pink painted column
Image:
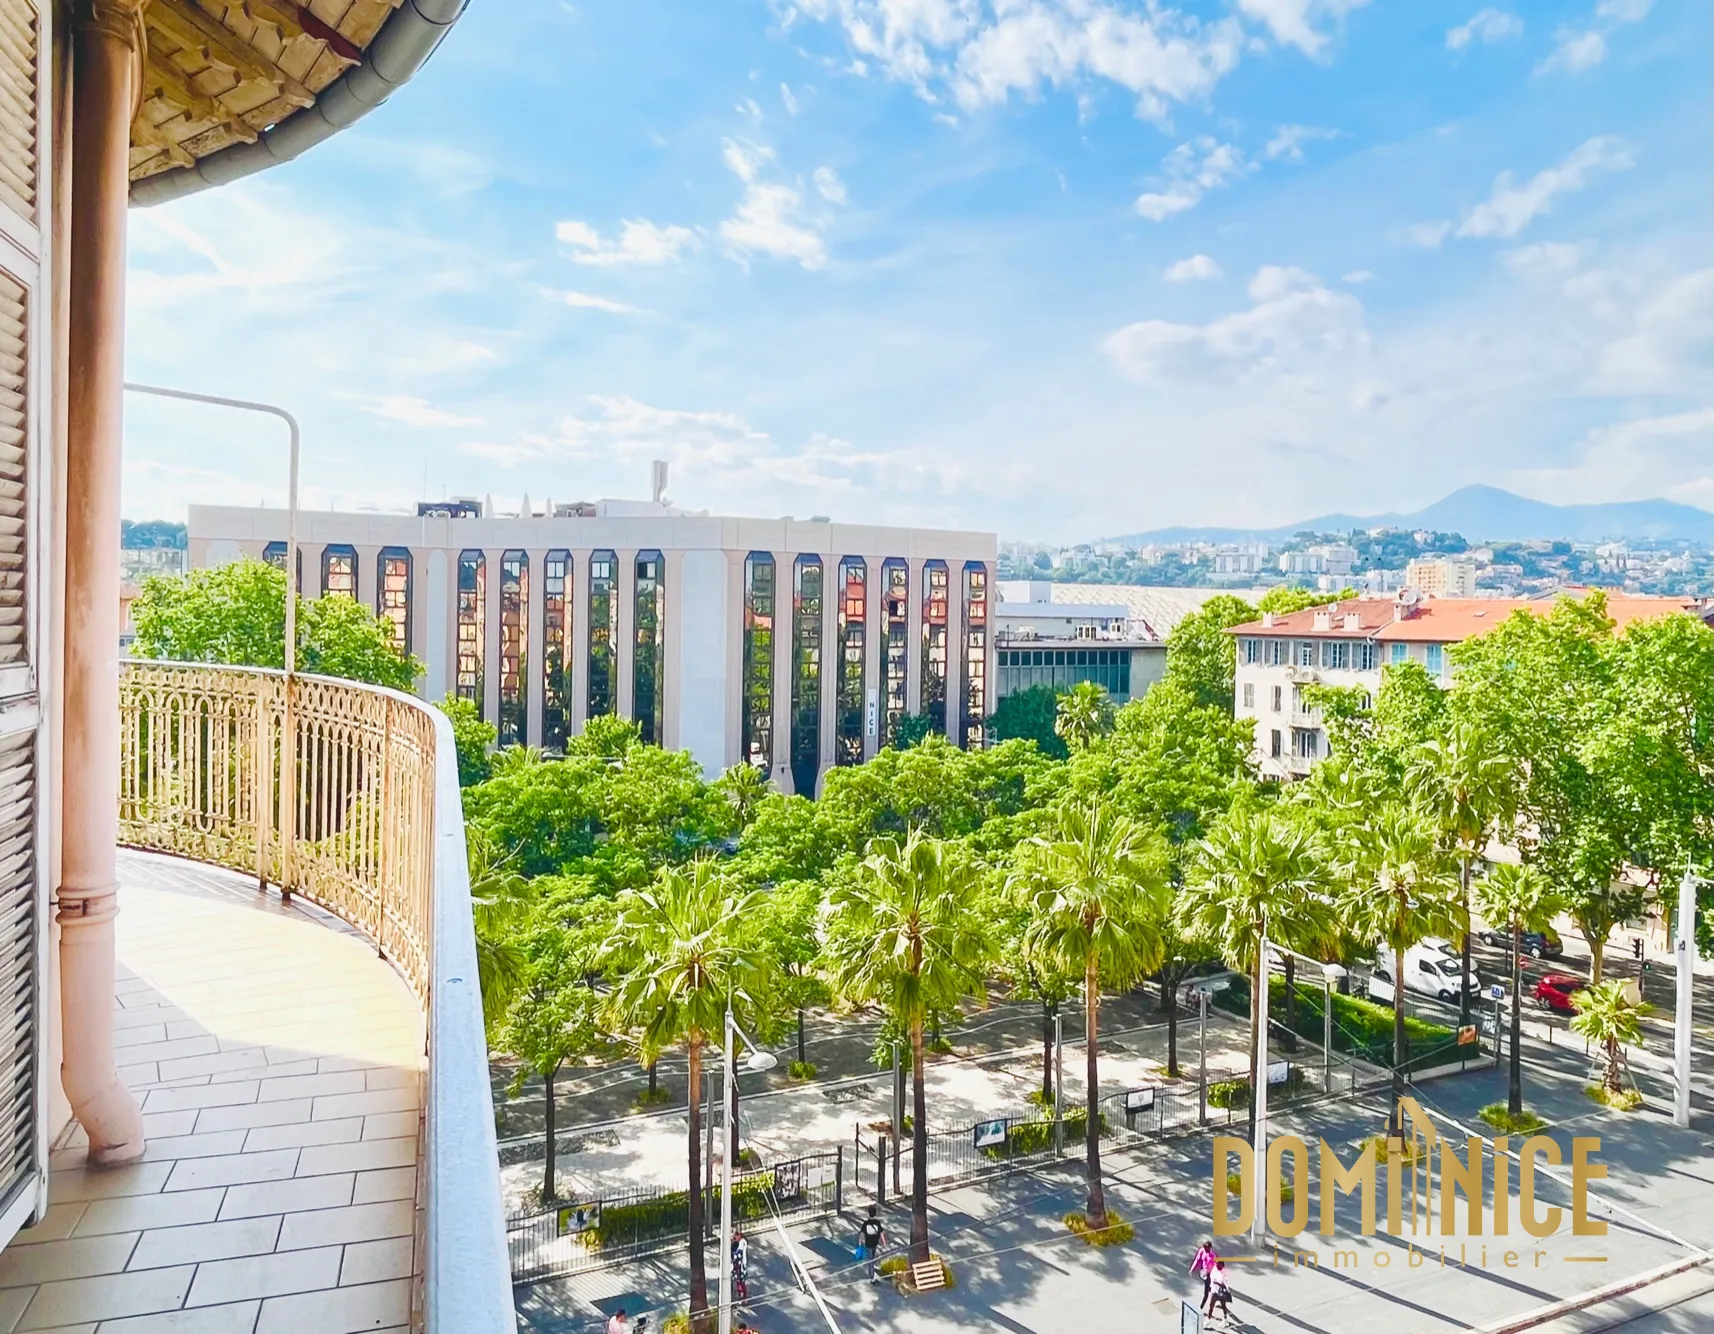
<point>107,40</point>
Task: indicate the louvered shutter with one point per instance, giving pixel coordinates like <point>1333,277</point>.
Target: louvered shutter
<point>24,360</point>
<point>19,927</point>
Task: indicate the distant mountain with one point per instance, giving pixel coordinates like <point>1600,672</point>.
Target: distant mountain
<point>1488,514</point>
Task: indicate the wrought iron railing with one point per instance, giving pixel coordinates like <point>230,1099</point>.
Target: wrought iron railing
<point>345,795</point>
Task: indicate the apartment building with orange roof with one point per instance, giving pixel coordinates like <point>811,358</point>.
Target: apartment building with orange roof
<point>1349,643</point>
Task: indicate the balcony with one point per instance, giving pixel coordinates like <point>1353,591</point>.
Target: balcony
<point>308,1166</point>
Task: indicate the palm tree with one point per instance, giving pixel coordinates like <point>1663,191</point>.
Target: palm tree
<point>681,953</point>
<point>1083,714</point>
<point>1097,895</point>
<point>1524,899</point>
<point>905,934</point>
<point>1606,1014</point>
<point>1471,789</point>
<point>499,907</point>
<point>744,786</point>
<point>1259,873</point>
<point>1402,887</point>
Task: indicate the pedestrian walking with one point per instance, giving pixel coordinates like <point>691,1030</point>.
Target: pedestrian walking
<point>1202,1265</point>
<point>1219,1294</point>
<point>740,1266</point>
<point>871,1236</point>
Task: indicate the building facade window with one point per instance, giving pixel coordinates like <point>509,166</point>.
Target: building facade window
<point>934,646</point>
<point>1305,743</point>
<point>472,641</point>
<point>1276,701</point>
<point>1249,694</point>
<point>1279,651</point>
<point>895,610</point>
<point>603,611</point>
<point>513,723</point>
<point>339,570</point>
<point>275,554</point>
<point>850,705</point>
<point>1252,651</point>
<point>556,651</point>
<point>1062,668</point>
<point>806,673</point>
<point>393,593</point>
<point>1336,654</point>
<point>1275,751</point>
<point>1401,653</point>
<point>1367,656</point>
<point>648,684</point>
<point>973,727</point>
<point>1306,653</point>
<point>1436,659</point>
<point>757,736</point>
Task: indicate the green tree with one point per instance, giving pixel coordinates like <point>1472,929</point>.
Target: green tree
<point>1520,898</point>
<point>744,786</point>
<point>905,935</point>
<point>1283,599</point>
<point>1471,789</point>
<point>499,907</point>
<point>1084,714</point>
<point>1029,975</point>
<point>911,730</point>
<point>1029,715</point>
<point>1260,874</point>
<point>1098,895</point>
<point>1181,952</point>
<point>788,927</point>
<point>554,1017</point>
<point>1400,887</point>
<point>1201,657</point>
<point>471,737</point>
<point>681,953</point>
<point>1606,1016</point>
<point>236,614</point>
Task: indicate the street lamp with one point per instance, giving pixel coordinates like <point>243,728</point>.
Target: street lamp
<point>1684,959</point>
<point>1332,974</point>
<point>288,754</point>
<point>758,1060</point>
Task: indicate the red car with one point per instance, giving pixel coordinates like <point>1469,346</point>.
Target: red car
<point>1555,990</point>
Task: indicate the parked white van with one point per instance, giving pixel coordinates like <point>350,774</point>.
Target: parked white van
<point>1429,971</point>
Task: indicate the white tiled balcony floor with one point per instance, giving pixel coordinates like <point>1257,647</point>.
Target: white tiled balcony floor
<point>279,1065</point>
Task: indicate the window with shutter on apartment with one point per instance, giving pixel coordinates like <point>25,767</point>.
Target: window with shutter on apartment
<point>14,442</point>
<point>19,924</point>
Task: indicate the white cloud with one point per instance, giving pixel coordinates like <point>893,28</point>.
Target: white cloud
<point>1580,48</point>
<point>1642,457</point>
<point>1486,25</point>
<point>589,301</point>
<point>1288,141</point>
<point>1427,234</point>
<point>788,100</point>
<point>1192,169</point>
<point>1357,277</point>
<point>749,108</point>
<point>770,218</point>
<point>1551,259</point>
<point>965,51</point>
<point>829,186</point>
<point>1512,207</point>
<point>1194,269</point>
<point>416,412</point>
<point>1292,22</point>
<point>1293,322</point>
<point>1669,342</point>
<point>639,242</point>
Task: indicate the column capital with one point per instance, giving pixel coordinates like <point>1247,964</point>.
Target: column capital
<point>121,19</point>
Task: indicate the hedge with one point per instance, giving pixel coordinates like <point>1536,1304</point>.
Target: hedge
<point>668,1214</point>
<point>1361,1027</point>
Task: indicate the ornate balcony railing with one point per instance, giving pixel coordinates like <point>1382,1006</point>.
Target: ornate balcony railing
<point>346,795</point>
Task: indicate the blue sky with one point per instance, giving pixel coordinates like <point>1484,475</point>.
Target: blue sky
<point>1056,268</point>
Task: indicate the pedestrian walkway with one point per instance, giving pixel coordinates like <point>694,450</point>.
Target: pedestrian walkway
<point>279,1064</point>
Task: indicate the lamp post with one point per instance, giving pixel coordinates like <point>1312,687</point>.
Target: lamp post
<point>1058,1085</point>
<point>1332,974</point>
<point>1202,1057</point>
<point>1684,958</point>
<point>1259,1093</point>
<point>288,753</point>
<point>759,1060</point>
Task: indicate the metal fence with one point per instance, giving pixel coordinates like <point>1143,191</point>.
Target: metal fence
<point>577,1236</point>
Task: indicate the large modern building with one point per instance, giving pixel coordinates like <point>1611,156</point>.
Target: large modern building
<point>1349,643</point>
<point>788,644</point>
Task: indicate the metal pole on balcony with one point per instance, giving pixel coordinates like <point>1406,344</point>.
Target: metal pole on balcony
<point>288,748</point>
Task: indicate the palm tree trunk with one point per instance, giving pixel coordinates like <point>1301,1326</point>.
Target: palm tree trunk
<point>1597,957</point>
<point>1614,1085</point>
<point>919,1150</point>
<point>1047,1012</point>
<point>1169,1003</point>
<point>801,1058</point>
<point>1398,1027</point>
<point>1096,1212</point>
<point>1515,1078</point>
<point>654,1080</point>
<point>550,1188</point>
<point>1464,945</point>
<point>698,1269</point>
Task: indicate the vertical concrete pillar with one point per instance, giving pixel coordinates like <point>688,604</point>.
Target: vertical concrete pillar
<point>737,594</point>
<point>672,647</point>
<point>369,576</point>
<point>106,44</point>
<point>535,612</point>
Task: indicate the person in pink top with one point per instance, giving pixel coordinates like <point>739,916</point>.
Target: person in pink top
<point>1202,1265</point>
